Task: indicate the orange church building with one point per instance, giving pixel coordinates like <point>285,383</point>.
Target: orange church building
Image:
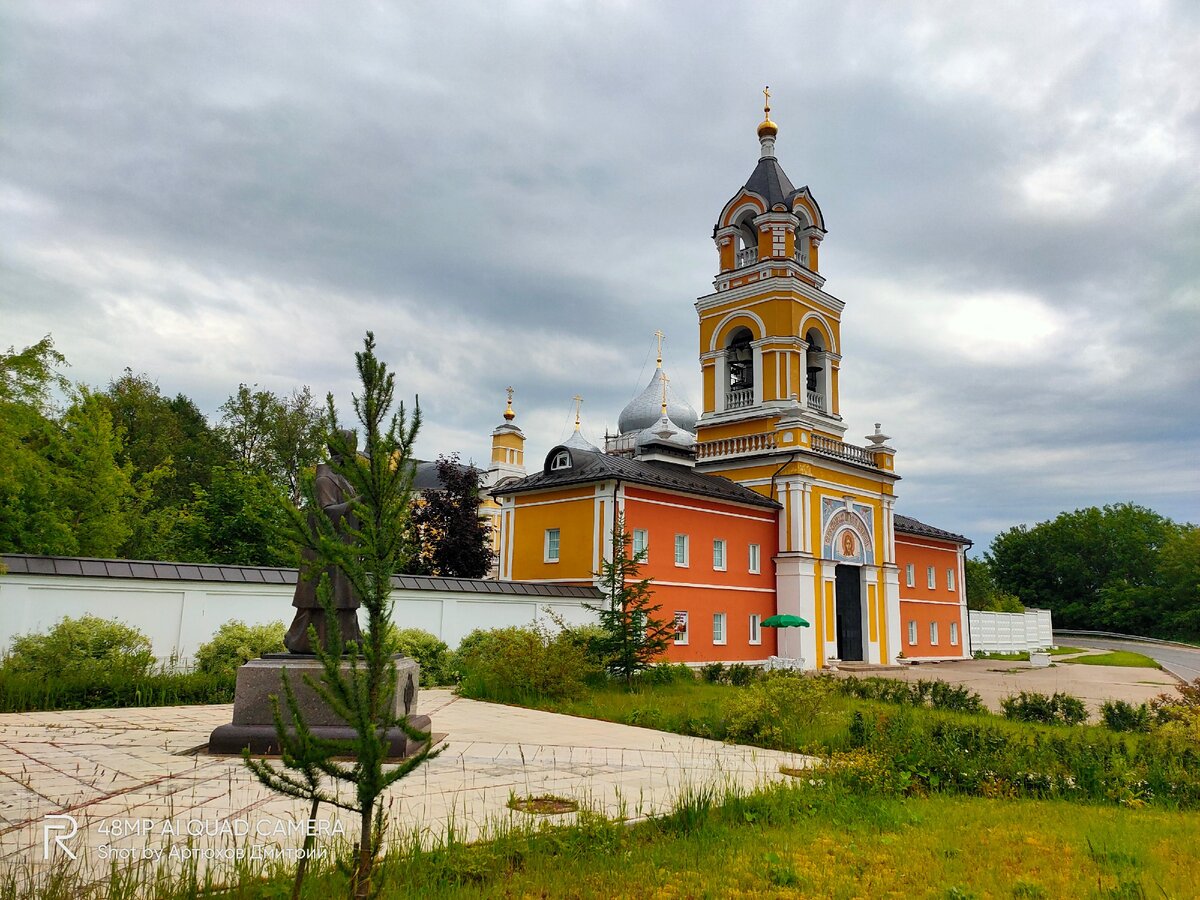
<point>757,504</point>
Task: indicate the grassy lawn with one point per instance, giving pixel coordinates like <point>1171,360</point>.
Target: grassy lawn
<point>1023,655</point>
<point>1124,658</point>
<point>1063,651</point>
<point>793,840</point>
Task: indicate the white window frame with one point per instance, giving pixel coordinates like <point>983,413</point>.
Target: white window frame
<point>546,557</point>
<point>719,548</point>
<point>910,575</point>
<point>755,629</point>
<point>755,559</point>
<point>681,637</point>
<point>720,625</point>
<point>644,536</point>
<point>950,579</point>
<point>953,634</point>
<point>933,634</point>
<point>912,632</point>
<point>931,577</point>
<point>562,460</point>
<point>682,543</point>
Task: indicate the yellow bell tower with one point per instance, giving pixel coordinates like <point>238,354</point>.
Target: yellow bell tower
<point>770,355</point>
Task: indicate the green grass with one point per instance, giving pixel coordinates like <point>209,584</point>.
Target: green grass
<point>1023,655</point>
<point>791,840</point>
<point>1063,651</point>
<point>1123,658</point>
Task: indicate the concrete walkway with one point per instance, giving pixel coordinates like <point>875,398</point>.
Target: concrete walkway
<point>136,786</point>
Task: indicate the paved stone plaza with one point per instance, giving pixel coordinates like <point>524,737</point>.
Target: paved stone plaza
<point>124,774</point>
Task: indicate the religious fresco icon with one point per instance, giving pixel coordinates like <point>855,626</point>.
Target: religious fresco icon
<point>846,531</point>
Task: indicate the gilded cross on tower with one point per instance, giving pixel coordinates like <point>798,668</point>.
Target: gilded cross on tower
<point>510,392</point>
<point>658,334</point>
<point>509,415</point>
<point>767,101</point>
<point>578,403</point>
<point>665,379</point>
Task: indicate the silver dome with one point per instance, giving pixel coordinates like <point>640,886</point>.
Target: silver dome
<point>644,410</point>
<point>664,431</point>
<point>578,442</point>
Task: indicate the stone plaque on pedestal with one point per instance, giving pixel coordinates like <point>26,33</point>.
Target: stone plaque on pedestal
<point>253,724</point>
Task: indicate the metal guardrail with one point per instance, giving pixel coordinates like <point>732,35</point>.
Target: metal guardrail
<point>1117,636</point>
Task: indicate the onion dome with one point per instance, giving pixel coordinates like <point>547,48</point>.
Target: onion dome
<point>644,410</point>
<point>767,128</point>
<point>664,431</point>
<point>577,441</point>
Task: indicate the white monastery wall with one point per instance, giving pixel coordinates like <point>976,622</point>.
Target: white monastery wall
<point>997,632</point>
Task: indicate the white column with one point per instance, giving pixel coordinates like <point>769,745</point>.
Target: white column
<point>807,516</point>
<point>891,598</point>
<point>756,354</point>
<point>795,594</point>
<point>870,579</point>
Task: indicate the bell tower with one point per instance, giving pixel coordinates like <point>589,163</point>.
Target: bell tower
<point>770,355</point>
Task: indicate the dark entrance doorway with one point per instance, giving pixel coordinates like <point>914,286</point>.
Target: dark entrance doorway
<point>849,613</point>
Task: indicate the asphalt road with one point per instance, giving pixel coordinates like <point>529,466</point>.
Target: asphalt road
<point>1180,661</point>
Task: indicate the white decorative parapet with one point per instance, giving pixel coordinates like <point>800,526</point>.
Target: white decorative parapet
<point>816,400</point>
<point>997,632</point>
<point>747,256</point>
<point>784,662</point>
<point>747,443</point>
<point>739,399</point>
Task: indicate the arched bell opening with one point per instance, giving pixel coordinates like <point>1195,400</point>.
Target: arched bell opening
<point>816,367</point>
<point>739,364</point>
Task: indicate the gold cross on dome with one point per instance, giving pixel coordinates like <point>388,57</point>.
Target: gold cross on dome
<point>767,99</point>
<point>665,379</point>
<point>659,334</point>
<point>510,392</point>
<point>578,403</point>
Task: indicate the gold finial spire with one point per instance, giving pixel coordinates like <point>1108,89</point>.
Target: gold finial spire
<point>509,415</point>
<point>665,379</point>
<point>659,334</point>
<point>767,128</point>
<point>578,403</point>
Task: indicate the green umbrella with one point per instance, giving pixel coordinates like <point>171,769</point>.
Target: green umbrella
<point>783,621</point>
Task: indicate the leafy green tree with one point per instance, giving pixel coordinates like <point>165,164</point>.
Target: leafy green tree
<point>451,538</point>
<point>238,520</point>
<point>982,593</point>
<point>95,490</point>
<point>360,693</point>
<point>278,436</point>
<point>1097,568</point>
<point>27,377</point>
<point>634,636</point>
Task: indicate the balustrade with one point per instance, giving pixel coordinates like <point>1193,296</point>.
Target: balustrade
<point>739,399</point>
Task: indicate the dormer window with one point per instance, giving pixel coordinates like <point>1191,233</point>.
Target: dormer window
<point>562,460</point>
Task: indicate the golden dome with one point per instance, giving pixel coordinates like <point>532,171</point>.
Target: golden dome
<point>767,128</point>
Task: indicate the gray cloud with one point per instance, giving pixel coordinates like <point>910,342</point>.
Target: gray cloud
<point>522,193</point>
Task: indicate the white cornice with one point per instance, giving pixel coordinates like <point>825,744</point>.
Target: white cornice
<point>775,284</point>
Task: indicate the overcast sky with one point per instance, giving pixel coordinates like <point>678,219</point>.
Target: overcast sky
<point>215,193</point>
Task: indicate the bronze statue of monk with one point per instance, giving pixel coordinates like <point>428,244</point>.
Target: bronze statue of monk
<point>334,497</point>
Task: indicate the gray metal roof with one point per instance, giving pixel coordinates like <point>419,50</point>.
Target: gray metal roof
<point>770,182</point>
<point>909,525</point>
<point>425,475</point>
<point>590,466</point>
<point>23,564</point>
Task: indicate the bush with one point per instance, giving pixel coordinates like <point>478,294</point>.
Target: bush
<point>713,673</point>
<point>1060,709</point>
<point>95,690</point>
<point>667,673</point>
<point>1121,716</point>
<point>761,714</point>
<point>935,694</point>
<point>87,647</point>
<point>522,664</point>
<point>431,653</point>
<point>235,644</point>
<point>740,674</point>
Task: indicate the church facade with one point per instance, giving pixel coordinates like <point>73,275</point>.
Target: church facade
<point>757,504</point>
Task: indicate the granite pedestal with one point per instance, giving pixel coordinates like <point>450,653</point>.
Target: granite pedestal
<point>253,724</point>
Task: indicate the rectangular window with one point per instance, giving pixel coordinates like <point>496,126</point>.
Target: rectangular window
<point>755,630</point>
<point>681,550</point>
<point>931,577</point>
<point>933,637</point>
<point>641,543</point>
<point>551,545</point>
<point>719,556</point>
<point>949,579</point>
<point>755,557</point>
<point>912,633</point>
<point>718,628</point>
<point>681,626</point>
<point>910,575</point>
<point>953,634</point>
